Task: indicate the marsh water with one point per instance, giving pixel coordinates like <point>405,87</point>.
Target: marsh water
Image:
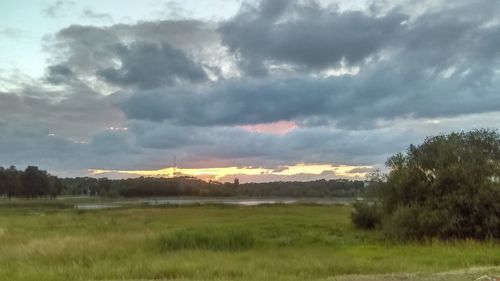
<point>202,201</point>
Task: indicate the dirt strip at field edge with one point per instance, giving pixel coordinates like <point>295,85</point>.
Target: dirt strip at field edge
<point>469,274</point>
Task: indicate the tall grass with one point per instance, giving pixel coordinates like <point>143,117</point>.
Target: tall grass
<point>288,242</point>
<point>215,239</point>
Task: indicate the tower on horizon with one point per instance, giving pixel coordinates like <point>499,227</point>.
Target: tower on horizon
<point>175,166</point>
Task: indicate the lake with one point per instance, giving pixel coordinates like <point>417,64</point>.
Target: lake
<point>203,201</point>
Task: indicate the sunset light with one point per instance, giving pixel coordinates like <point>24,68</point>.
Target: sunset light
<point>251,173</point>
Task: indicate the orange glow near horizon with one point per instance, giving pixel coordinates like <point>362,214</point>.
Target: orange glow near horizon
<point>340,171</point>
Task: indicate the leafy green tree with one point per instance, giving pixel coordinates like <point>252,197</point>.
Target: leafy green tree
<point>56,188</point>
<point>3,182</point>
<point>14,186</point>
<point>447,187</point>
<point>32,182</point>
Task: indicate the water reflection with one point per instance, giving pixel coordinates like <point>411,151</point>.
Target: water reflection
<point>241,202</point>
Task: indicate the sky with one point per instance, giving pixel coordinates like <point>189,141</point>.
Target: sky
<point>270,90</point>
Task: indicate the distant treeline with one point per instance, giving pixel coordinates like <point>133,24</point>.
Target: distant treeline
<point>189,186</point>
<point>30,183</point>
<point>36,183</point>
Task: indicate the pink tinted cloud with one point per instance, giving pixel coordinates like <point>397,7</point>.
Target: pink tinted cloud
<point>276,128</point>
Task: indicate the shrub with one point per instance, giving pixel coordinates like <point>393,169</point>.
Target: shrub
<point>366,215</point>
<point>416,223</point>
<point>448,187</point>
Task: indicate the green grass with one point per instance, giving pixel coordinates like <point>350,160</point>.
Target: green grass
<point>41,241</point>
<point>223,239</point>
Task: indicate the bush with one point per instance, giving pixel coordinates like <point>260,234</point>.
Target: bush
<point>366,215</point>
<point>448,187</point>
<point>208,239</point>
<point>414,223</point>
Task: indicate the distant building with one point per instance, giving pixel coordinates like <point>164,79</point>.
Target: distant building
<point>236,182</point>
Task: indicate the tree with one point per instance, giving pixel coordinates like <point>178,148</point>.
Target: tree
<point>14,186</point>
<point>447,187</point>
<point>33,182</point>
<point>3,182</point>
<point>53,186</point>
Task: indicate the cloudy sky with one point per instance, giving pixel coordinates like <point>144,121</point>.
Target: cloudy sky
<point>259,90</point>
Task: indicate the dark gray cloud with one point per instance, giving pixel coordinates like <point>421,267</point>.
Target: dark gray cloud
<point>235,102</point>
<point>360,85</point>
<point>25,144</point>
<point>83,48</point>
<point>112,143</point>
<point>73,110</point>
<point>58,74</point>
<point>22,145</point>
<point>348,101</point>
<point>166,136</point>
<point>90,48</point>
<point>272,10</point>
<point>149,66</point>
<point>307,35</point>
<point>238,146</point>
<point>439,64</point>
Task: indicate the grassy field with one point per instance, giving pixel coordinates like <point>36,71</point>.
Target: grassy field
<point>52,241</point>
